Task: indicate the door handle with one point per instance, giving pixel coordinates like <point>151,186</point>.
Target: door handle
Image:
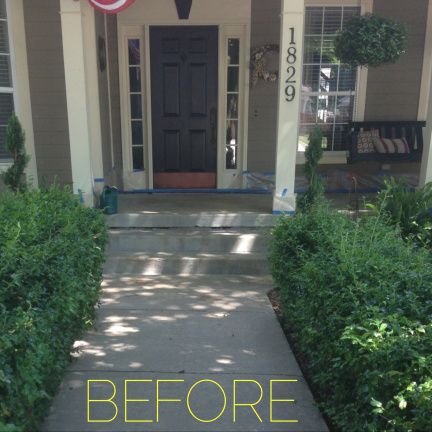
<point>213,125</point>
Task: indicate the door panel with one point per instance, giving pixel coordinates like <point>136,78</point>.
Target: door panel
<point>198,77</point>
<point>184,81</point>
<point>172,150</point>
<point>198,141</point>
<point>171,90</point>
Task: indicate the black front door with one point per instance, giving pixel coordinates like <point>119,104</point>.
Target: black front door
<point>184,83</point>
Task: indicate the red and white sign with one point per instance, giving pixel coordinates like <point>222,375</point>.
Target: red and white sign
<point>110,6</point>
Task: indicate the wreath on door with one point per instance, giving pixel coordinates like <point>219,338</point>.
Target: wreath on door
<point>259,64</point>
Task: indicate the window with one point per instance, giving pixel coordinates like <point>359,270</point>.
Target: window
<point>6,86</point>
<point>135,98</point>
<point>233,93</point>
<point>329,88</point>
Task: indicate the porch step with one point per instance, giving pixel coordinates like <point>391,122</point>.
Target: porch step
<point>163,263</point>
<point>191,220</point>
<point>239,241</point>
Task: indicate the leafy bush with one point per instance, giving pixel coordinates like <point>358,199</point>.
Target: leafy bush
<point>408,209</point>
<point>51,255</point>
<point>313,155</point>
<point>14,176</point>
<point>370,40</point>
<point>357,300</point>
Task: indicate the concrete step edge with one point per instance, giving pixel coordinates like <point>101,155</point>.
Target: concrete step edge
<point>201,220</point>
<point>142,256</point>
<point>193,280</point>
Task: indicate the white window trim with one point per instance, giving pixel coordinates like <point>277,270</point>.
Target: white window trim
<point>340,157</point>
<point>362,77</point>
<point>20,81</point>
<point>427,69</point>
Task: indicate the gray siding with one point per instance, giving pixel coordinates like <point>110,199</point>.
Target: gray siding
<point>48,91</point>
<point>109,89</point>
<point>113,62</point>
<point>103,98</point>
<point>265,29</point>
<point>393,90</point>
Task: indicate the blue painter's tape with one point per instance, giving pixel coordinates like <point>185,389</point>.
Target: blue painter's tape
<point>342,191</point>
<point>286,213</point>
<point>99,180</point>
<point>347,191</point>
<point>198,191</point>
<point>81,196</point>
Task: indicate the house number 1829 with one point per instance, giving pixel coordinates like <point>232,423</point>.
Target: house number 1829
<point>290,90</point>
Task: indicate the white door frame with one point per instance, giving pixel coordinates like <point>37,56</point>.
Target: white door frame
<point>238,28</point>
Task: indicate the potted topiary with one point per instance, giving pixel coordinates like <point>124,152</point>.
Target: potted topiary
<point>313,154</point>
<point>370,40</point>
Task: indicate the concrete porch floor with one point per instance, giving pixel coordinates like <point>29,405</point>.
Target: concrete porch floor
<point>185,203</point>
<point>221,203</point>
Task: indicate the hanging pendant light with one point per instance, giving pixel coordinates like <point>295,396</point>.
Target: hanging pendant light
<point>183,8</point>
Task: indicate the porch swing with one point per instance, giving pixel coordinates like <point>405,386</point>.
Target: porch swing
<point>385,141</point>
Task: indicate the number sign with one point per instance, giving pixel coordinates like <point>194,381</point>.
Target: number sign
<point>291,59</point>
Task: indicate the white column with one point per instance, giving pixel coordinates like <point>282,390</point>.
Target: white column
<point>291,51</point>
<point>78,35</point>
<point>425,104</point>
<point>426,165</point>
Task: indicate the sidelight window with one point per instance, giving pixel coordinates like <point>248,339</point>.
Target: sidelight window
<point>233,96</point>
<point>136,99</point>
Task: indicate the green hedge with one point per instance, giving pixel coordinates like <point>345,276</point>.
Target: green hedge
<point>357,301</point>
<point>51,257</point>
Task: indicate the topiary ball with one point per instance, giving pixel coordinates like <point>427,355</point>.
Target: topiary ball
<point>371,40</point>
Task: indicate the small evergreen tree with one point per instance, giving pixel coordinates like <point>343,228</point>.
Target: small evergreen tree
<point>14,177</point>
<point>313,154</point>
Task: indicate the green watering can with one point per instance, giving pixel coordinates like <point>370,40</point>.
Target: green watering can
<point>109,200</point>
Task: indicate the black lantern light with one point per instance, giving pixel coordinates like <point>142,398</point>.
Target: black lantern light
<point>183,8</point>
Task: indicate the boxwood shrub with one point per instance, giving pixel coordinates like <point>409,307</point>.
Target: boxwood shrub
<point>357,302</point>
<point>51,256</point>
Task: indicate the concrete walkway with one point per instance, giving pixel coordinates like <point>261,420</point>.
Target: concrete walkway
<point>185,305</point>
